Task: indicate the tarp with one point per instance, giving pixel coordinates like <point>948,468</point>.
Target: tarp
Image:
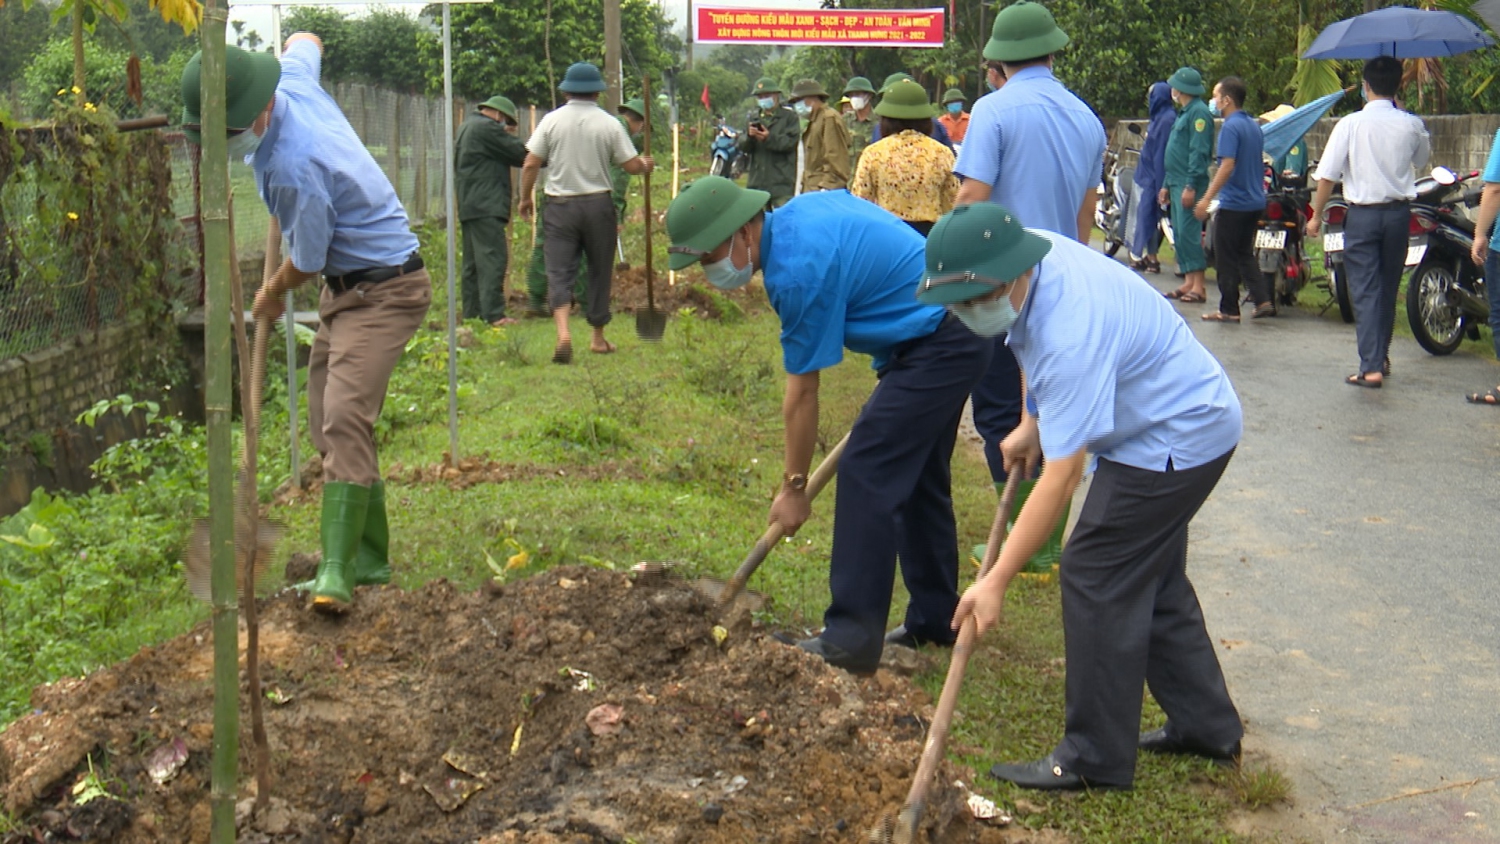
<point>1281,134</point>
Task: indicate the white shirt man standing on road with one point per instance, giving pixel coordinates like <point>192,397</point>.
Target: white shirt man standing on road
<point>1376,152</point>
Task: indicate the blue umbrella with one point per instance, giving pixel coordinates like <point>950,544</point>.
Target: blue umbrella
<point>1281,133</point>
<point>1399,31</point>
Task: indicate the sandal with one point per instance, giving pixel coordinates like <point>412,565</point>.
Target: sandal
<point>1358,379</point>
<point>1177,294</point>
<point>1264,309</point>
<point>1220,316</point>
<point>1490,397</point>
<point>563,353</point>
<point>1153,266</point>
<point>1191,298</point>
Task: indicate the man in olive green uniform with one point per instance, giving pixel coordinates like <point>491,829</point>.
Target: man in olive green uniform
<point>1190,148</point>
<point>826,139</point>
<point>633,115</point>
<point>860,121</point>
<point>771,140</point>
<point>484,151</point>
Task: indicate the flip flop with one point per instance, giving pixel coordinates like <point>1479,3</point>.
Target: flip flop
<point>563,353</point>
<point>1490,397</point>
<point>1191,298</point>
<point>1358,379</point>
<point>1177,294</point>
<point>609,349</point>
<point>1219,316</point>
<point>1264,309</point>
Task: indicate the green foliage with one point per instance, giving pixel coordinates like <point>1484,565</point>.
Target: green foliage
<point>504,48</point>
<point>169,454</point>
<point>728,90</point>
<point>334,29</point>
<point>51,71</point>
<point>23,31</point>
<point>381,48</point>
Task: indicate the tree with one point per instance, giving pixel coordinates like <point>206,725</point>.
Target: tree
<point>333,28</point>
<point>23,31</point>
<point>246,39</point>
<point>727,89</point>
<point>85,15</point>
<point>51,71</point>
<point>385,50</point>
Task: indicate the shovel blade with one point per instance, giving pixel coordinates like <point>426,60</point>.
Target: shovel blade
<point>650,324</point>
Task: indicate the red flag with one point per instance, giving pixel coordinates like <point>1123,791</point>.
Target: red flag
<point>704,99</point>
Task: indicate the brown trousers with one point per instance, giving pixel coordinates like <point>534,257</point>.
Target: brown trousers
<point>360,340</point>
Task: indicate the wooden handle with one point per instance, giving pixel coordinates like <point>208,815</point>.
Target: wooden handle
<point>774,533</point>
<point>968,633</point>
<point>646,186</point>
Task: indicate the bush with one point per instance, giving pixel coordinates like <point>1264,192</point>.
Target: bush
<point>104,72</point>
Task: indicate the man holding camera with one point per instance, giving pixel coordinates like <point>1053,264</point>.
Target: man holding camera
<point>771,142</point>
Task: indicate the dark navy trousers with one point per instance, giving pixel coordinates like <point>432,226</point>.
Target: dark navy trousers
<point>1374,255</point>
<point>997,404</point>
<point>894,494</point>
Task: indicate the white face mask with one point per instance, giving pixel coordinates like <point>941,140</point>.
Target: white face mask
<point>723,273</point>
<point>243,145</point>
<point>766,103</point>
<point>802,108</point>
<point>859,102</point>
<point>987,319</point>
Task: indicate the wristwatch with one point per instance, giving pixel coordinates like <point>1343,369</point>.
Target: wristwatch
<point>794,482</point>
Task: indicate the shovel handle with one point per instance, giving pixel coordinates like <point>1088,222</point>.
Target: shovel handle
<point>646,191</point>
<point>937,734</point>
<point>774,533</point>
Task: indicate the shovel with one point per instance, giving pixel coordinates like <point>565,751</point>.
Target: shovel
<point>650,324</point>
<point>820,478</point>
<point>907,821</point>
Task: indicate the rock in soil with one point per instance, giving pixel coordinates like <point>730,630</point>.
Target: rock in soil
<point>440,715</point>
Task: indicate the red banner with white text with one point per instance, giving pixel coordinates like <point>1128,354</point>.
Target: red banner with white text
<point>828,27</point>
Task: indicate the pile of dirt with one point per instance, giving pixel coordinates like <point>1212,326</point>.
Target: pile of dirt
<point>580,705</point>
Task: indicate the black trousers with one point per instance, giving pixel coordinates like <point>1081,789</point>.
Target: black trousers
<point>1234,259</point>
<point>1131,617</point>
<point>574,226</point>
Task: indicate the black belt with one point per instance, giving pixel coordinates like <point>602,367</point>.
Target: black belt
<point>373,275</point>
<point>1387,204</point>
<point>574,197</point>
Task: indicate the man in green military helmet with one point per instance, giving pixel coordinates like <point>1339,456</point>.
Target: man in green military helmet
<point>633,115</point>
<point>484,151</point>
<point>771,140</point>
<point>826,139</point>
<point>1190,149</point>
<point>861,119</point>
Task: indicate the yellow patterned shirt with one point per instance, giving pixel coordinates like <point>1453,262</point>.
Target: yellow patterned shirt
<point>909,175</point>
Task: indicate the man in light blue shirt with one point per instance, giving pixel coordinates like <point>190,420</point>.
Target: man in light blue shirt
<point>842,274</point>
<point>341,219</point>
<point>1033,146</point>
<point>1115,372</point>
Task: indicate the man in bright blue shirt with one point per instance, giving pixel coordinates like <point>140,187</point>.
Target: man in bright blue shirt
<point>1117,373</point>
<point>842,273</point>
<point>341,219</point>
<point>1240,186</point>
<point>1033,146</point>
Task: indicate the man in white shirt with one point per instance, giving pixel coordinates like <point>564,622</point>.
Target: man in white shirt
<point>1376,152</point>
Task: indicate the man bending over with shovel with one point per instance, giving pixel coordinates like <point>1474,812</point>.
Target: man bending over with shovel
<point>1116,372</point>
<point>343,220</point>
<point>842,273</point>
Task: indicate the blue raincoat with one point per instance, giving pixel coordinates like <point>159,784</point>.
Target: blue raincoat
<point>1151,171</point>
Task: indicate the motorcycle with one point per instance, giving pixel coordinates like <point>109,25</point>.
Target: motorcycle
<point>1278,236</point>
<point>1333,252</point>
<point>1112,208</point>
<point>1445,297</point>
<point>727,161</point>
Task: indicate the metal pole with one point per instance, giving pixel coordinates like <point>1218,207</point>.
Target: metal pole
<point>450,211</point>
<point>289,321</point>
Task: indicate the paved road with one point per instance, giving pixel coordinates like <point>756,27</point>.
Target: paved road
<point>1347,564</point>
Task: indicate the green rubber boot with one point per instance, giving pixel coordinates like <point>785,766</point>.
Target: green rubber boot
<point>344,509</point>
<point>1051,551</point>
<point>372,562</point>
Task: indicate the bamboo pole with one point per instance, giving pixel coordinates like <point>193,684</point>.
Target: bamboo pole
<point>218,252</point>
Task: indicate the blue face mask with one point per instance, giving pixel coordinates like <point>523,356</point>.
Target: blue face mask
<point>987,319</point>
<point>724,275</point>
<point>766,103</point>
<point>955,108</point>
<point>802,108</point>
<point>1213,108</point>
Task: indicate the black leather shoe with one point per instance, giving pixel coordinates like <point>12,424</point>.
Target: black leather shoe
<point>900,636</point>
<point>831,654</point>
<point>1158,741</point>
<point>1046,775</point>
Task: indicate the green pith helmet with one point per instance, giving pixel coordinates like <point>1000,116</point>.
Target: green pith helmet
<point>885,86</point>
<point>974,249</point>
<point>953,95</point>
<point>1188,81</point>
<point>249,83</point>
<point>808,88</point>
<point>859,85</point>
<point>582,78</point>
<point>502,105</point>
<point>636,105</point>
<point>905,100</point>
<point>1024,31</point>
<point>705,214</point>
<point>766,85</point>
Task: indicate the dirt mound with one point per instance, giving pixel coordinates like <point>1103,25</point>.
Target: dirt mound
<point>577,706</point>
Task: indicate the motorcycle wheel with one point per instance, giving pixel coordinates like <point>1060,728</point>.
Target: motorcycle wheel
<point>1435,322</point>
<point>1338,279</point>
<point>1111,246</point>
<point>717,167</point>
<point>1281,291</point>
